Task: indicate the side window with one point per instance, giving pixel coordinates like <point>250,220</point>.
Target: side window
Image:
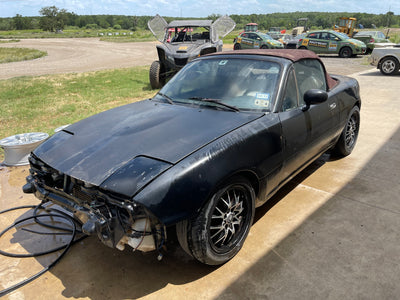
<point>313,35</point>
<point>310,75</point>
<point>290,100</point>
<point>332,37</point>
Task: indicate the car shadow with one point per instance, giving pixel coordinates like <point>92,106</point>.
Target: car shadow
<point>292,184</point>
<point>377,73</point>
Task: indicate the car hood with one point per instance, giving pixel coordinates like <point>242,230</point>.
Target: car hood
<point>94,148</point>
<point>358,42</point>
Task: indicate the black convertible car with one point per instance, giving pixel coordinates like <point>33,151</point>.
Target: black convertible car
<point>217,141</point>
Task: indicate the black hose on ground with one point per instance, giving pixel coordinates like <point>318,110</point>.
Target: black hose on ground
<point>36,217</point>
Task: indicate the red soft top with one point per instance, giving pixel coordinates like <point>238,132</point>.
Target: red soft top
<point>291,54</point>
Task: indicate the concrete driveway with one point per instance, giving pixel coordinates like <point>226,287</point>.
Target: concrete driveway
<point>331,233</point>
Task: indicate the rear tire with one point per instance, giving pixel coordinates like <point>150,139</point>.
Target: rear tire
<point>264,47</point>
<point>302,48</point>
<point>348,138</point>
<point>218,232</point>
<point>389,66</point>
<point>155,75</point>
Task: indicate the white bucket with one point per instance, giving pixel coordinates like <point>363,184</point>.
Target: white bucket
<point>18,147</point>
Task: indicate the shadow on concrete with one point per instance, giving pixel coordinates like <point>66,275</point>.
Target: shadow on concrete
<point>347,249</point>
<point>377,73</point>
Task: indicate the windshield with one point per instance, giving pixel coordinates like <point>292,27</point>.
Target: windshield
<point>244,84</point>
<point>342,35</point>
<point>187,34</point>
<point>266,36</point>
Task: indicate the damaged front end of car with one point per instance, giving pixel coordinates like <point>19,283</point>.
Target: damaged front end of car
<point>115,219</point>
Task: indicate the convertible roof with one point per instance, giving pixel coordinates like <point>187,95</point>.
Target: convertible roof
<point>195,23</point>
<point>291,54</point>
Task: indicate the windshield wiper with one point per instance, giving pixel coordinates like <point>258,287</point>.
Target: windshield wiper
<point>216,101</point>
<point>168,98</point>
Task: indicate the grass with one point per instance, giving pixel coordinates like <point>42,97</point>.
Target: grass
<point>41,104</point>
<point>113,35</point>
<point>9,41</point>
<point>19,54</point>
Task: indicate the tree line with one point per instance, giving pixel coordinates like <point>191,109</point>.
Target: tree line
<point>53,19</point>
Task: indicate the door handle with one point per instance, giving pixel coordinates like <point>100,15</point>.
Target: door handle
<point>332,106</point>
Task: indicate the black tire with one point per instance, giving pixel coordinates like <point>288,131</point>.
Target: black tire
<point>220,229</point>
<point>345,52</point>
<point>389,66</point>
<point>155,75</point>
<point>302,48</point>
<point>237,46</point>
<point>348,138</point>
<point>264,47</point>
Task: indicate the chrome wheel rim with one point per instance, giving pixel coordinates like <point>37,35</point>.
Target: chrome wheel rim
<point>228,218</point>
<point>351,132</point>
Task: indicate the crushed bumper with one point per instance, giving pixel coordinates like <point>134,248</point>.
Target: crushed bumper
<point>116,221</point>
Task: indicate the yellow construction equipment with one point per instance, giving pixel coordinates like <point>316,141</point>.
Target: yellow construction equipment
<point>346,25</point>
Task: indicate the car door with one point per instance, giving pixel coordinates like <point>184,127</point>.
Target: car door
<point>333,43</point>
<point>254,40</point>
<point>295,130</point>
<point>320,43</point>
<point>157,26</point>
<point>245,41</point>
<point>322,118</point>
<point>221,27</point>
<point>305,132</point>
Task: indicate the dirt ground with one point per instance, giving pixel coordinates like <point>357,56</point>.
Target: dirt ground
<point>78,55</point>
<point>91,54</point>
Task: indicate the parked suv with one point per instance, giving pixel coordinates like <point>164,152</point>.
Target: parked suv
<point>329,41</point>
<point>182,41</point>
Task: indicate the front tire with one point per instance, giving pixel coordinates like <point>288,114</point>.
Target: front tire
<point>218,232</point>
<point>345,52</point>
<point>155,75</point>
<point>389,66</point>
<point>348,138</point>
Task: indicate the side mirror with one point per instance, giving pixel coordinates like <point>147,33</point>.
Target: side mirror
<point>314,96</point>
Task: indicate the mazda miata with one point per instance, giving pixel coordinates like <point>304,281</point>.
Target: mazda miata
<point>217,141</point>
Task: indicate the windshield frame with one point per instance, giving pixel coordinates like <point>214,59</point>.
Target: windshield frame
<point>268,68</point>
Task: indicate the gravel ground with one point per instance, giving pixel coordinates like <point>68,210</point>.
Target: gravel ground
<point>90,54</point>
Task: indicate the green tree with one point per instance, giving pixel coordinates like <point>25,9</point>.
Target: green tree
<point>52,18</point>
<point>20,22</point>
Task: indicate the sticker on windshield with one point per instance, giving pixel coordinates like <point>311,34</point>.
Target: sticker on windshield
<point>260,102</point>
<point>223,62</point>
<point>262,96</point>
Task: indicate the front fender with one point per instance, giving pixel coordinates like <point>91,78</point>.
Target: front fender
<point>181,191</point>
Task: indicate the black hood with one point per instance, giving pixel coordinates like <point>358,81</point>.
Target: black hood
<point>94,148</point>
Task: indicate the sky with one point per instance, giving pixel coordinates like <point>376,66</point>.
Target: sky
<point>190,8</point>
